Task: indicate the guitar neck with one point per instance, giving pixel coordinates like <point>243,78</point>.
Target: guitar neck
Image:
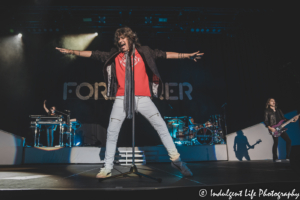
<point>289,121</point>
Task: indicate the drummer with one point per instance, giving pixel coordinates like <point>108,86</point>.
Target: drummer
<point>192,122</point>
<point>208,124</point>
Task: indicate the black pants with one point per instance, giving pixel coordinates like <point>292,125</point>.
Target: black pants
<point>50,136</point>
<point>288,144</point>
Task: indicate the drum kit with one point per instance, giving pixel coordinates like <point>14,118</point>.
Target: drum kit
<point>208,133</point>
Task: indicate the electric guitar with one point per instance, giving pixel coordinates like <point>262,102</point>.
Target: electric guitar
<point>279,128</point>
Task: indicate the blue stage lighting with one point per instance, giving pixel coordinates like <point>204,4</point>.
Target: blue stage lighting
<point>102,19</point>
<point>87,19</point>
<point>192,30</point>
<point>148,20</point>
<point>202,30</point>
<point>162,19</point>
<point>78,143</point>
<point>207,30</point>
<point>214,30</point>
<point>197,30</point>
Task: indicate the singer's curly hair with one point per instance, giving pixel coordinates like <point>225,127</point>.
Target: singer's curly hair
<point>127,32</point>
<point>268,101</point>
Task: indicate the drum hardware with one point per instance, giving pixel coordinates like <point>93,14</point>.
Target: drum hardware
<point>175,127</point>
<point>54,120</point>
<point>208,133</point>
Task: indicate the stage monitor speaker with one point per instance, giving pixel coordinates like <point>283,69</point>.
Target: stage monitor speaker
<point>295,158</point>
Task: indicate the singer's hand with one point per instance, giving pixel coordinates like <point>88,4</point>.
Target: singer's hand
<point>196,55</point>
<point>64,51</point>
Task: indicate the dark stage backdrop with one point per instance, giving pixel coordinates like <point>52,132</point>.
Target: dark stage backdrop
<point>242,69</point>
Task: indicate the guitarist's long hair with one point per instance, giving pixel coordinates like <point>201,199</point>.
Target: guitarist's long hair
<point>268,101</point>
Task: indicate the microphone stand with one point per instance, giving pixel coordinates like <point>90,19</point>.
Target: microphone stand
<point>133,168</point>
<point>224,106</point>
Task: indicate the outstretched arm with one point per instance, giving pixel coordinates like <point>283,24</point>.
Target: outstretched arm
<point>46,109</point>
<point>75,52</point>
<point>194,56</point>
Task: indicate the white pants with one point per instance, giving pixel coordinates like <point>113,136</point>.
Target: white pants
<point>146,107</point>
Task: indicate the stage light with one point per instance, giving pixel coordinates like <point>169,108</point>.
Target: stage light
<point>102,19</point>
<point>192,30</point>
<point>207,30</point>
<point>19,35</point>
<point>11,30</point>
<point>162,19</point>
<point>77,42</point>
<point>197,30</point>
<point>148,20</point>
<point>87,19</point>
<point>78,143</point>
<point>202,30</point>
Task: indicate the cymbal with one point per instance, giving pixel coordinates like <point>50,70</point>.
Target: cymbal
<point>196,124</point>
<point>176,121</point>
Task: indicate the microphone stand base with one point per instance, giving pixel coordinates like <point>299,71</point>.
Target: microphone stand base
<point>133,170</point>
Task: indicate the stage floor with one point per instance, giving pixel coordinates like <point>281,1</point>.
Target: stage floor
<point>214,174</point>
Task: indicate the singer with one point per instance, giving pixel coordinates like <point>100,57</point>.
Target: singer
<point>148,83</point>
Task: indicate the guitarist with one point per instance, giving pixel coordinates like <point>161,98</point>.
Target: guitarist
<point>273,115</point>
